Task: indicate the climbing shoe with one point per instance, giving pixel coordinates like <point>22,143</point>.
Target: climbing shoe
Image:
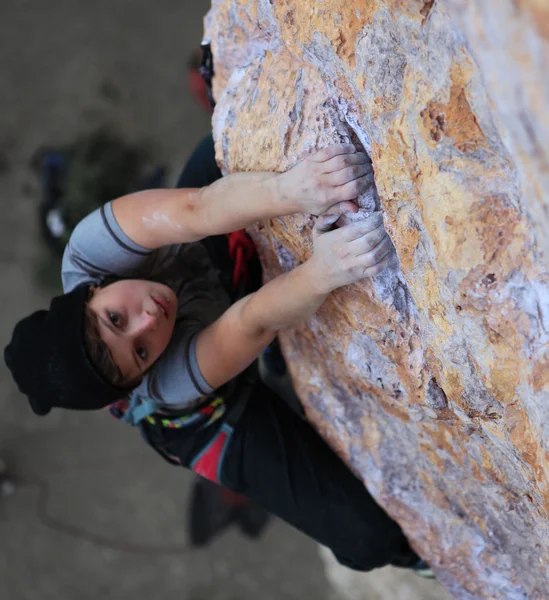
<point>422,569</point>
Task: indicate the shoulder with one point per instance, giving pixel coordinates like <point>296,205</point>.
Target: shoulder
<point>175,381</point>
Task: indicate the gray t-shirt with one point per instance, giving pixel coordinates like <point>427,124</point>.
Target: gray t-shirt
<point>98,248</point>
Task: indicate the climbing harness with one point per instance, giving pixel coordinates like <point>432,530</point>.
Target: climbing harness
<point>241,251</point>
<point>208,461</point>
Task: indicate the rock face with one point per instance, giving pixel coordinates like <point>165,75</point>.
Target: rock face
<point>432,380</point>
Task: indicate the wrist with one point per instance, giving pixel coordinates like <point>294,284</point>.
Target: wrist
<point>284,194</point>
<point>315,276</point>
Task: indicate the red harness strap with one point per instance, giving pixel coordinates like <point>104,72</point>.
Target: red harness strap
<point>209,461</point>
<point>241,250</point>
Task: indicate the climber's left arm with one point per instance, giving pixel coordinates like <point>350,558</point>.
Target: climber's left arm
<point>327,181</point>
<point>341,257</point>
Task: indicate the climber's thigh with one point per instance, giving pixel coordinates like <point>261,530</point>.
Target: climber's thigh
<point>276,459</point>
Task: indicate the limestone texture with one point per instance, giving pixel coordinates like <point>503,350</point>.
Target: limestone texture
<point>431,380</point>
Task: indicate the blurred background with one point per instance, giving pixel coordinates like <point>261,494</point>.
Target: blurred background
<point>94,513</point>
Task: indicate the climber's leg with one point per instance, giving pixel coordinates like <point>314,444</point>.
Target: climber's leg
<point>7,486</point>
<point>277,460</point>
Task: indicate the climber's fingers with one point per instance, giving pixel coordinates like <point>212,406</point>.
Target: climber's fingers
<point>367,232</point>
<point>370,240</point>
<point>331,151</point>
<point>353,189</point>
<point>342,208</point>
<point>365,227</point>
<point>374,264</point>
<point>325,223</point>
<point>349,174</point>
<point>342,161</point>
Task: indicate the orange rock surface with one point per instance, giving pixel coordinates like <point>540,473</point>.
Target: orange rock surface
<point>432,379</point>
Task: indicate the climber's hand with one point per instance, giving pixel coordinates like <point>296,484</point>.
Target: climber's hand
<point>346,255</point>
<point>328,181</point>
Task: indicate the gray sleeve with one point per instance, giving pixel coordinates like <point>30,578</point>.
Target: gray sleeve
<point>98,248</point>
<point>175,380</point>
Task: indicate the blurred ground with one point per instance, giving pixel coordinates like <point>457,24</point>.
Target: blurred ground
<point>66,67</point>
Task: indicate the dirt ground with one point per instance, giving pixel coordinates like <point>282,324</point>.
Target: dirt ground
<point>67,67</point>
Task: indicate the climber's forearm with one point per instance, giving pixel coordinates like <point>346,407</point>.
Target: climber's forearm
<point>242,199</point>
<point>235,340</point>
<point>327,181</point>
<point>285,301</point>
<point>156,218</point>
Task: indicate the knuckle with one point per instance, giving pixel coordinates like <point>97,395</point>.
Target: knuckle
<point>379,252</point>
<point>342,194</point>
<point>377,238</point>
<point>350,268</point>
<point>374,253</point>
<point>368,263</point>
<point>316,168</point>
<point>349,173</point>
<point>336,163</point>
<point>343,256</point>
<point>378,268</point>
<point>317,159</point>
<point>310,166</point>
<point>369,245</point>
<point>370,270</point>
<point>322,195</point>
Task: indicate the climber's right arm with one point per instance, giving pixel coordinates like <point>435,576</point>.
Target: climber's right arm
<point>341,257</point>
<point>329,180</point>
